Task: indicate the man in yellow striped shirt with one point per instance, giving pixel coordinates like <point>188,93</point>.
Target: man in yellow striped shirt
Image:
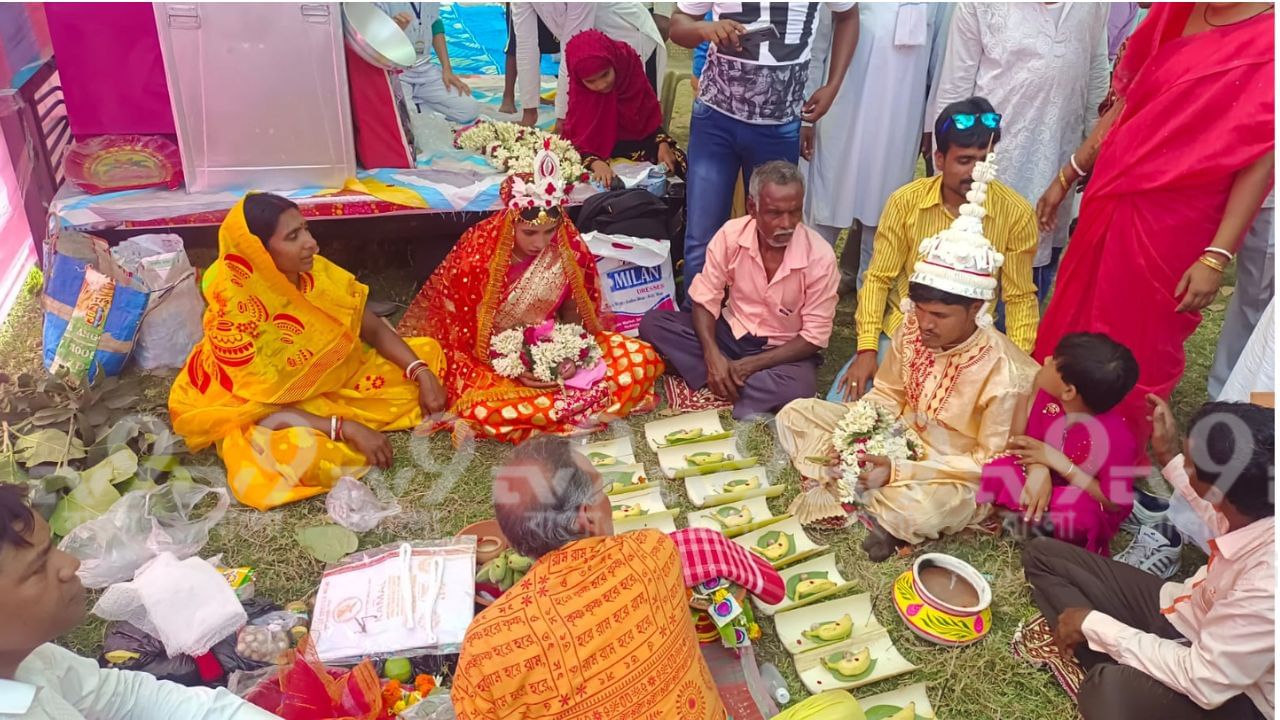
<point>965,132</point>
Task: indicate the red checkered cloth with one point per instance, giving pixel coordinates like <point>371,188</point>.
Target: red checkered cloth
<point>707,554</point>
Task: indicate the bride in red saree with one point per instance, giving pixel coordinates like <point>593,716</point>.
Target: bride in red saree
<point>1178,168</point>
<point>523,266</point>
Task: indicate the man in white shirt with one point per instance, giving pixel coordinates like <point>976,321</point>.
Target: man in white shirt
<point>43,599</point>
<point>431,86</point>
<point>1201,649</point>
<point>628,22</point>
<point>867,146</point>
<point>1045,66</point>
<point>751,98</point>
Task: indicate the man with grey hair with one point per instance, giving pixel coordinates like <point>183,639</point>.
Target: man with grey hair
<point>759,348</point>
<point>599,623</point>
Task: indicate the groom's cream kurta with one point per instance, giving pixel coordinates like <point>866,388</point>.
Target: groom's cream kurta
<point>961,401</point>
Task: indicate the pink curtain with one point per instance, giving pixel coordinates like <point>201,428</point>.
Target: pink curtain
<point>112,73</point>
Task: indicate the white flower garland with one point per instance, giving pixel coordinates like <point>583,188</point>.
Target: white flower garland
<point>871,429</point>
<point>512,354</point>
<point>511,148</point>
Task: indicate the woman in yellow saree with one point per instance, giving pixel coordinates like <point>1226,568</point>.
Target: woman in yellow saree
<point>295,380</point>
<point>523,266</point>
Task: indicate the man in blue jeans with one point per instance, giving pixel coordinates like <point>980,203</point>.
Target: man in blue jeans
<point>750,99</point>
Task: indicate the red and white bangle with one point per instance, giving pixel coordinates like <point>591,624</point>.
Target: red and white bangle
<point>409,371</point>
<point>419,371</point>
<point>335,428</point>
<point>1075,166</point>
<point>1227,254</point>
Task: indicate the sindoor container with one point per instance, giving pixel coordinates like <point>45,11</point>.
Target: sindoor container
<point>259,94</point>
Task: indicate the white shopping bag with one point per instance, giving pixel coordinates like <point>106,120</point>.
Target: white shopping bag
<point>636,276</point>
<point>172,323</point>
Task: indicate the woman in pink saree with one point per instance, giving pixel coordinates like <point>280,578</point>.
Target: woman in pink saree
<point>1177,168</point>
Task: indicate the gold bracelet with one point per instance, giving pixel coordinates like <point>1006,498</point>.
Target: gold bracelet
<point>1062,178</point>
<point>1212,263</point>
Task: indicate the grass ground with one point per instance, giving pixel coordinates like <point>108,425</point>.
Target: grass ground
<point>441,491</point>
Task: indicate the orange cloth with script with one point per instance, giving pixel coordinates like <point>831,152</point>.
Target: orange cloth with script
<point>597,630</point>
<point>269,345</point>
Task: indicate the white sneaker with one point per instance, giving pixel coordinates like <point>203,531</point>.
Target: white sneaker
<point>1155,549</point>
<point>1148,510</point>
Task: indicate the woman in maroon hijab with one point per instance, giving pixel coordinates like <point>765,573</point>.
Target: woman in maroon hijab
<point>613,111</point>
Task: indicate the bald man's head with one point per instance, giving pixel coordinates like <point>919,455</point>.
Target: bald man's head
<point>547,495</point>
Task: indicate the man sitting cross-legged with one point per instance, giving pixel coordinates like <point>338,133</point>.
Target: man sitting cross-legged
<point>1203,649</point>
<point>599,626</point>
<point>949,375</point>
<point>761,350</point>
<point>42,599</point>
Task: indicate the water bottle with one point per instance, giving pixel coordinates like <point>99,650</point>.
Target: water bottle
<point>774,684</point>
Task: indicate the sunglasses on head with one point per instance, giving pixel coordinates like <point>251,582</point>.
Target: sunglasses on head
<point>964,121</point>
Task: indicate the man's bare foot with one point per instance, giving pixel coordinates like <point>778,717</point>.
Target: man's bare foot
<point>880,545</point>
<point>508,107</point>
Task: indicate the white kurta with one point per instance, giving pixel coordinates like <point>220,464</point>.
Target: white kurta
<point>628,22</point>
<point>1045,70</point>
<point>866,146</point>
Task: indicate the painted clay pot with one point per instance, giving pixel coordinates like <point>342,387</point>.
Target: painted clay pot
<point>944,600</point>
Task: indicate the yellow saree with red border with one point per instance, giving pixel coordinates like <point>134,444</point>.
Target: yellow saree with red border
<point>268,346</point>
<point>473,295</point>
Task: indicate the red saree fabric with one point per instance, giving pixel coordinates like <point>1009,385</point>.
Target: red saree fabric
<point>461,306</point>
<point>458,303</point>
<point>1197,110</point>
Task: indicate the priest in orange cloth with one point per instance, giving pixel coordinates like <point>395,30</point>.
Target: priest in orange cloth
<point>599,628</point>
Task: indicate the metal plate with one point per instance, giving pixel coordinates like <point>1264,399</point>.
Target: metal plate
<point>376,37</point>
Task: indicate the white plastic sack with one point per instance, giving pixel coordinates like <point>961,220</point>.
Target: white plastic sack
<point>187,604</point>
<point>172,324</point>
<point>140,526</point>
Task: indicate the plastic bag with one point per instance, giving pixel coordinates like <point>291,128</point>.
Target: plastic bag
<point>185,603</point>
<point>175,310</point>
<point>140,526</point>
<point>106,324</point>
<point>127,647</point>
<point>268,637</point>
<point>432,707</point>
<point>353,505</point>
<point>307,690</point>
<point>430,131</point>
<point>412,598</point>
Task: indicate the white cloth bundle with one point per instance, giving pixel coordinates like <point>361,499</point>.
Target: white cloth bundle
<point>187,604</point>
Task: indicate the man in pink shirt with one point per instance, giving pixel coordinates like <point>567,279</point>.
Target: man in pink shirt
<point>760,349</point>
<point>1204,648</point>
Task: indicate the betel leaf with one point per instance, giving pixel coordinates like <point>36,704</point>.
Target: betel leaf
<point>67,479</point>
<point>137,483</point>
<point>10,470</point>
<point>48,445</point>
<point>118,467</point>
<point>153,467</point>
<point>88,501</point>
<point>327,543</point>
<point>52,416</point>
